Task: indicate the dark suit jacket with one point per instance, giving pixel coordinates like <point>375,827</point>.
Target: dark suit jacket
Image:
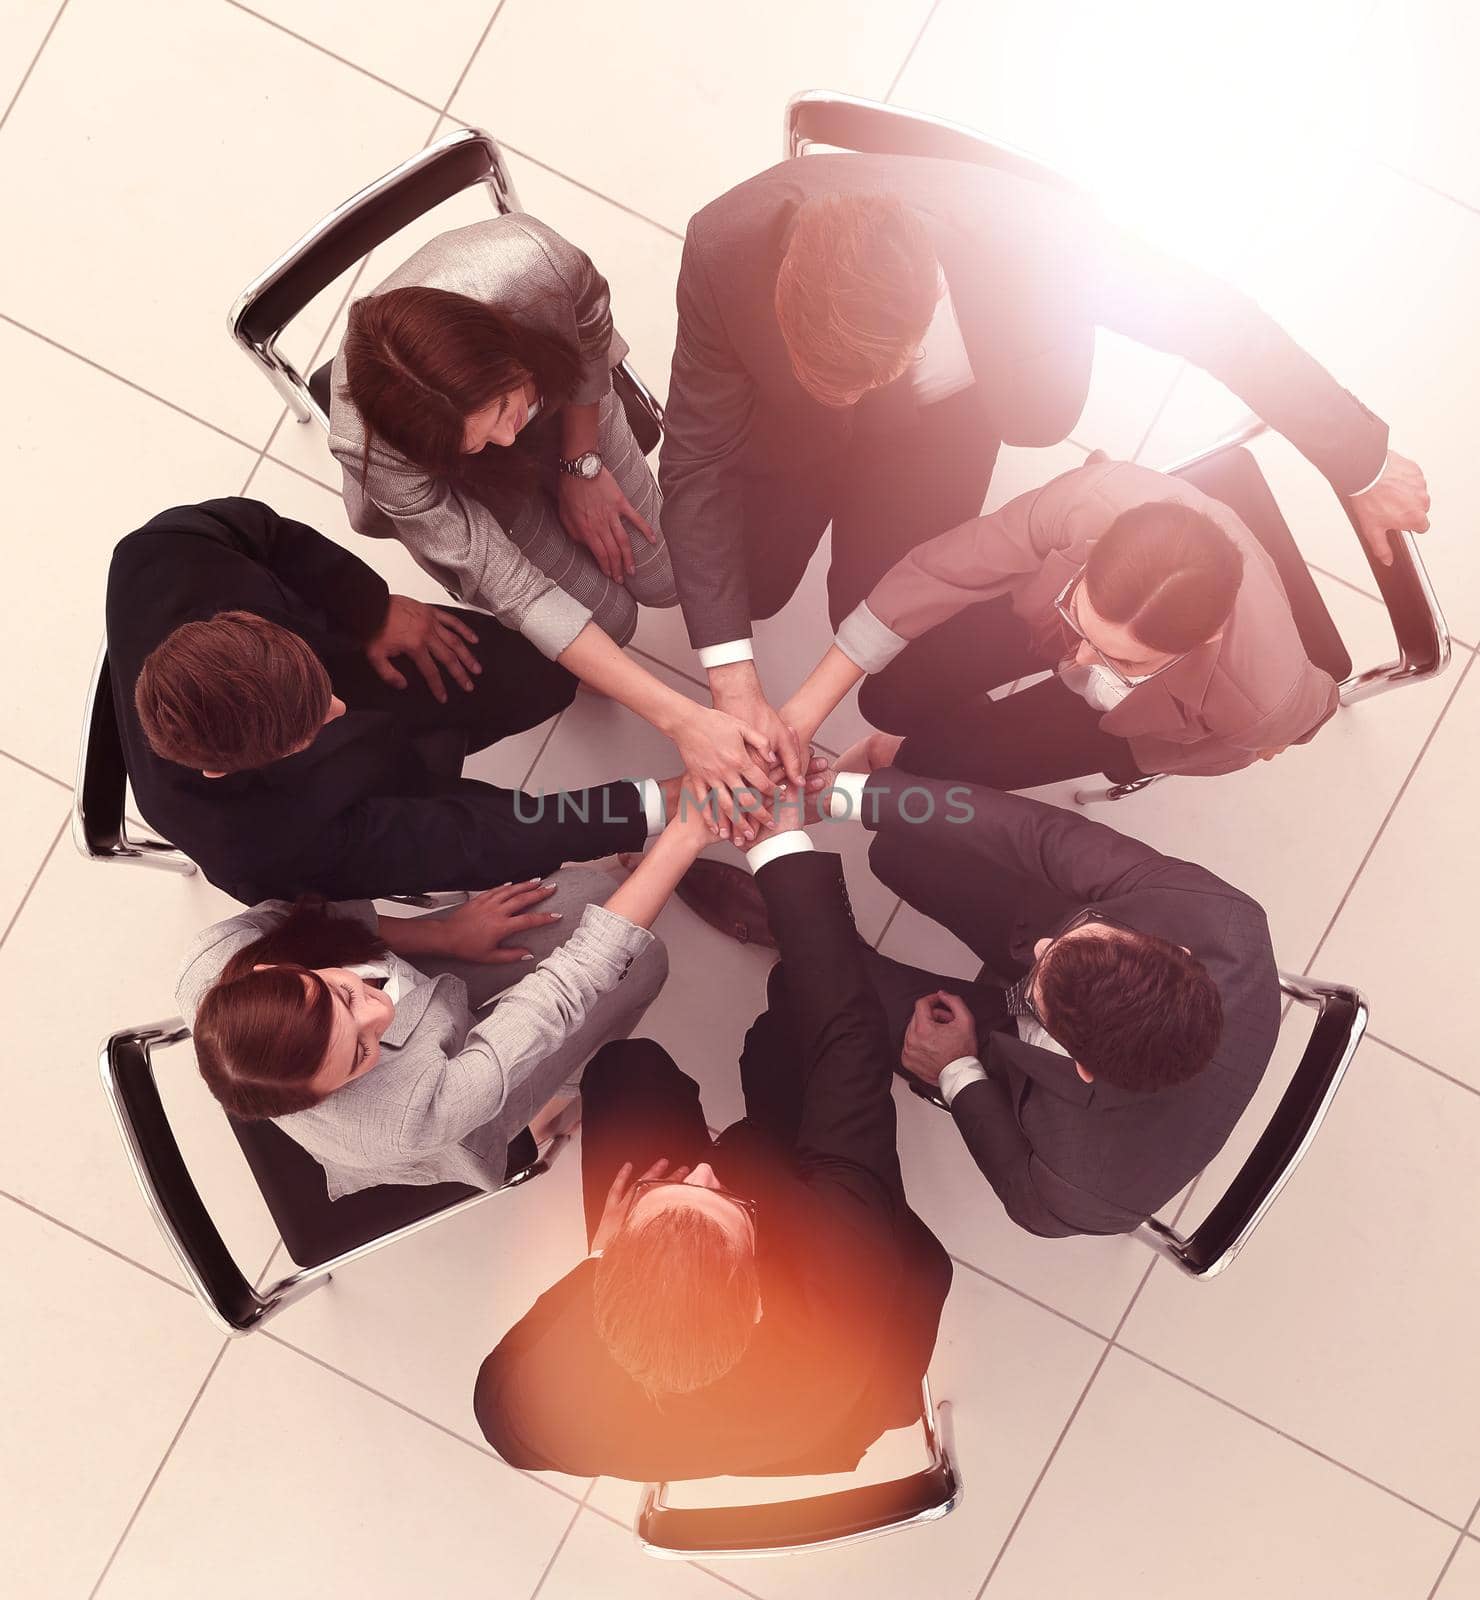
<point>852,1283</point>
<point>1067,1156</point>
<point>357,814</point>
<point>1031,272</point>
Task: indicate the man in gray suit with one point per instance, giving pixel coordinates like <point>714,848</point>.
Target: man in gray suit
<point>858,334</point>
<point>1128,1005</point>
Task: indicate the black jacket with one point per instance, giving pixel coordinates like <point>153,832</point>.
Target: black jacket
<point>359,813</point>
<point>852,1283</point>
<point>1002,871</point>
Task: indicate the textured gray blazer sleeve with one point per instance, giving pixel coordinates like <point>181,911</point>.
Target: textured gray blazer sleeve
<point>526,1025</point>
<point>532,273</point>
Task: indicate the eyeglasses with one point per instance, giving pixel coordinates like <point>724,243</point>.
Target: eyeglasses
<point>643,1185</point>
<point>1064,606</point>
<point>1019,998</point>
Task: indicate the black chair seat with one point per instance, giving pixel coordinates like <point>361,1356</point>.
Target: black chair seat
<point>318,385</point>
<point>316,1229</point>
<point>1233,476</point>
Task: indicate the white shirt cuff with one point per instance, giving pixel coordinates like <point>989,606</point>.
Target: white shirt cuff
<point>778,845</point>
<point>1378,479</point>
<point>722,655</point>
<point>651,792</point>
<point>845,797</point>
<point>955,1075</point>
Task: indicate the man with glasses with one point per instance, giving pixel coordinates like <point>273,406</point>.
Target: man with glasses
<point>1126,1010</point>
<point>760,1302</point>
<point>1160,620</point>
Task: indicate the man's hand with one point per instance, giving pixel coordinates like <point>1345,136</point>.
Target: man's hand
<point>736,689</point>
<point>941,1031</point>
<point>476,931</point>
<point>1398,501</point>
<point>428,635</point>
<point>619,1198</point>
<point>722,754</point>
<point>592,510</point>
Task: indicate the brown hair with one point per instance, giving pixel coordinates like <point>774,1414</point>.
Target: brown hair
<point>1167,572</point>
<point>675,1301</point>
<point>261,1036</point>
<point>857,288</point>
<point>231,694</point>
<point>1131,1008</point>
<point>420,361</point>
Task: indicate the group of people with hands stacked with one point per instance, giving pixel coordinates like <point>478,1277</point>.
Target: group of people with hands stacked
<point>857,337</point>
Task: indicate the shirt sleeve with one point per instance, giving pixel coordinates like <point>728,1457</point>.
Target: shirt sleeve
<point>790,843</point>
<point>723,655</point>
<point>955,1075</point>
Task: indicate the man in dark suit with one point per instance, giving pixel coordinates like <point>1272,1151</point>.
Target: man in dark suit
<point>1125,1013</point>
<point>765,1302</point>
<point>282,749</point>
<point>857,335</point>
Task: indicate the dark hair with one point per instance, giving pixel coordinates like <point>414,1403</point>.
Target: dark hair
<point>857,288</point>
<point>675,1301</point>
<point>261,1036</point>
<point>231,694</point>
<point>420,361</point>
<point>1168,573</point>
<point>1131,1008</point>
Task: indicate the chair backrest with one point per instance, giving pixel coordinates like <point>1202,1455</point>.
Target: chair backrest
<point>845,122</point>
<point>1340,1022</point>
<point>367,219</point>
<point>1413,608</point>
<point>1232,475</point>
<point>102,778</point>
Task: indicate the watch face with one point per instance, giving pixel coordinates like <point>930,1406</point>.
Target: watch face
<point>589,465</point>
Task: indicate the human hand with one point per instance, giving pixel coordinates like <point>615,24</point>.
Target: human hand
<point>1398,501</point>
<point>736,689</point>
<point>476,931</point>
<point>428,635</point>
<point>722,755</point>
<point>941,1031</point>
<point>806,802</point>
<point>1269,755</point>
<point>592,510</point>
<point>619,1198</point>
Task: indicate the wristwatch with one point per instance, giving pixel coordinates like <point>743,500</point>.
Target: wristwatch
<point>583,466</point>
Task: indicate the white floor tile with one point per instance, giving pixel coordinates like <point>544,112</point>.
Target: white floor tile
<point>101,1363</point>
<point>1345,1320</point>
<point>94,951</point>
<point>138,256</point>
<point>393,42</point>
<point>601,1559</point>
<point>34,809</point>
<point>140,458</point>
<point>290,1474</point>
<point>1159,1490</point>
<point>23,26</point>
<point>1401,935</point>
<point>1462,1581</point>
<point>701,109</point>
<point>1012,1373</point>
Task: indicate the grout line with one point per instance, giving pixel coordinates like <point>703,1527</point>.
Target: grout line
<point>1449,1562</point>
<point>678,672</point>
<point>1157,415</point>
<point>544,745</point>
<point>36,876</point>
<point>477,48</point>
<point>97,1244</point>
<point>26,77</point>
<point>909,54</point>
<point>1418,1061</point>
<point>138,388</point>
<point>164,1461</point>
<point>333,55</point>
<point>1423,183</point>
<point>50,777</point>
<point>1289,1438</point>
<point>632,211</point>
<point>1032,1299</point>
<point>888,923</point>
<point>1388,816</point>
<point>560,1542</point>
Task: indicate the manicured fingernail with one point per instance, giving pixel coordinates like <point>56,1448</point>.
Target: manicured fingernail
<point>527,956</point>
<point>555,916</point>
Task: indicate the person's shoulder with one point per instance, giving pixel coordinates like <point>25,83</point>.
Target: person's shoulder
<point>214,946</point>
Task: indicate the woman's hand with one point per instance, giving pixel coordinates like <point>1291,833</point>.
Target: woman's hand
<point>722,754</point>
<point>476,931</point>
<point>619,1198</point>
<point>592,510</point>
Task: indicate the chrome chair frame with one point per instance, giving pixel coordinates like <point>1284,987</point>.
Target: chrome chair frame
<point>941,1478</point>
<point>261,345</point>
<point>255,1305</point>
<point>99,815</point>
<point>1210,1248</point>
<point>889,129</point>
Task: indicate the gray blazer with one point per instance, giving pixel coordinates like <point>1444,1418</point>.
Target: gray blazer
<point>535,275</point>
<point>451,1087</point>
<point>1252,689</point>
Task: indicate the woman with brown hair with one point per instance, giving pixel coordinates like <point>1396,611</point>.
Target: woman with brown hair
<point>473,416</point>
<point>385,1071</point>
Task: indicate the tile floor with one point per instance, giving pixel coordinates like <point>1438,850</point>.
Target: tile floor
<point>1304,1426</point>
